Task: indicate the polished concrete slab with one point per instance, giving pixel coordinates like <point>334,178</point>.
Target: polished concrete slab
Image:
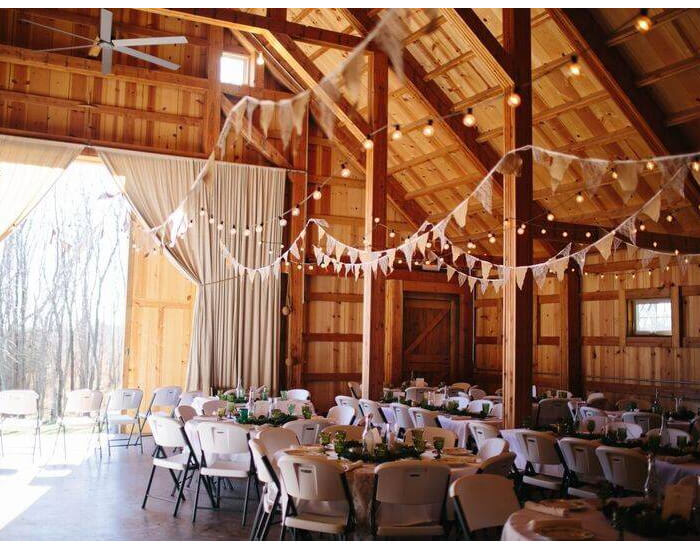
<point>83,496</point>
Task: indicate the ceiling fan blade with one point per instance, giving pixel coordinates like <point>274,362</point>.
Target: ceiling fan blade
<point>106,25</point>
<point>106,60</point>
<point>55,29</point>
<point>66,48</point>
<point>152,41</point>
<point>148,57</point>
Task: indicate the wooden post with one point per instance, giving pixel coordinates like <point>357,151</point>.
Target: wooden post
<point>374,301</point>
<point>212,123</point>
<point>517,208</point>
<point>296,354</point>
<point>570,332</point>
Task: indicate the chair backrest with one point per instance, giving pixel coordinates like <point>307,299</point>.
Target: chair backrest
<point>209,408</point>
<point>312,478</point>
<point>632,431</point>
<point>500,464</point>
<point>341,414</point>
<point>350,402</point>
<point>264,472</point>
<point>538,447</point>
<point>573,409</point>
<point>222,438</point>
<point>648,421</point>
<point>416,394</point>
<point>585,411</point>
<point>403,416</point>
<point>166,396</point>
<point>307,430</point>
<point>187,397</point>
<point>367,406</point>
<point>298,394</point>
<point>561,394</point>
<point>482,431</point>
<point>497,410</point>
<point>411,482</point>
<point>275,439</point>
<point>185,413</point>
<point>594,395</point>
<point>673,435</point>
<point>552,410</point>
<point>627,402</point>
<point>167,432</point>
<point>462,402</point>
<point>355,390</point>
<point>430,433</point>
<point>352,433</point>
<point>477,405</point>
<point>19,402</point>
<point>493,447</point>
<point>124,399</point>
<point>476,393</point>
<point>261,408</point>
<point>599,423</point>
<point>83,401</point>
<point>580,457</point>
<point>460,386</point>
<point>423,418</point>
<point>484,501</point>
<point>626,468</point>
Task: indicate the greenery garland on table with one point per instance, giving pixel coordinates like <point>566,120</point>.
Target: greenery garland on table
<point>231,398</point>
<point>645,520</point>
<point>683,414</point>
<point>353,450</point>
<point>275,420</point>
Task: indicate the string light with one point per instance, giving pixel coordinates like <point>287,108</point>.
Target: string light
<point>296,210</point>
<point>471,245</point>
<point>445,246</point>
<point>202,212</point>
<point>376,220</point>
<point>283,221</point>
<point>642,227</point>
<point>220,227</point>
<point>676,252</point>
<point>344,171</point>
<point>392,233</point>
<point>429,129</point>
<point>550,217</point>
<point>368,143</point>
<point>574,67</point>
<point>514,99</point>
<point>259,59</point>
<point>614,174</point>
<point>579,197</point>
<point>543,231</point>
<point>650,165</point>
<point>259,228</point>
<point>565,234</point>
<point>695,165</point>
<point>669,217</point>
<point>654,244</point>
<point>246,232</point>
<point>232,230</point>
<point>396,134</point>
<point>428,245</point>
<point>521,229</point>
<point>316,195</point>
<point>469,120</point>
<point>299,266</point>
<point>211,220</point>
<point>642,22</point>
<point>492,238</point>
<point>588,234</point>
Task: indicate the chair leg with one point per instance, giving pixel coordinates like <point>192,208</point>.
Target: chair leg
<point>2,444</point>
<point>180,497</point>
<point>65,448</point>
<point>257,522</point>
<point>196,498</point>
<point>140,437</point>
<point>148,487</point>
<point>245,502</point>
<point>176,485</point>
<point>268,520</point>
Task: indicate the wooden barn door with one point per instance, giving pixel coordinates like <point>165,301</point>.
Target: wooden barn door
<point>430,336</point>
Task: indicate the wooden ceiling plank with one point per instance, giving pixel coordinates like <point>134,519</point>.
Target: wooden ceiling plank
<point>681,117</point>
<point>668,71</point>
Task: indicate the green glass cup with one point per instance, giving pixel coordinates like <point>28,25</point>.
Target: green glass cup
<point>325,438</point>
<point>243,414</point>
<point>283,395</point>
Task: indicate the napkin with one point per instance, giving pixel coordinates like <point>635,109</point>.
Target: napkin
<point>353,465</point>
<point>559,511</point>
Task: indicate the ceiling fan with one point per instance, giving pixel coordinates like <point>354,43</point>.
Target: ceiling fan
<point>105,44</point>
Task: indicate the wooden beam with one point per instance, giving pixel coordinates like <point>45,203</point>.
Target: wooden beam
<point>254,91</point>
<point>629,31</point>
<point>374,288</point>
<point>682,117</point>
<point>570,332</point>
<point>668,71</point>
<point>212,118</point>
<point>517,249</point>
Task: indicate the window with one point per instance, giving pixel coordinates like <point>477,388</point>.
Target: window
<point>651,317</point>
<point>234,69</point>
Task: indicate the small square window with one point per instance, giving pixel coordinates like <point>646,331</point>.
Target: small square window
<point>651,317</point>
<point>234,69</point>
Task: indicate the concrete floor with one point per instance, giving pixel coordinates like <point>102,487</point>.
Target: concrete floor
<point>85,497</point>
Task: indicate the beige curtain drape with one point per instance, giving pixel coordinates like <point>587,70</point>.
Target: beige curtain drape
<point>236,321</point>
<point>28,170</point>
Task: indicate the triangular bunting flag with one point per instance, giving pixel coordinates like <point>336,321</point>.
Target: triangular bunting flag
<point>460,213</point>
<point>604,245</point>
<point>653,207</point>
<point>485,269</point>
<point>450,272</point>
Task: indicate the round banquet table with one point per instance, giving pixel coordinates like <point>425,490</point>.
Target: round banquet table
<point>519,528</point>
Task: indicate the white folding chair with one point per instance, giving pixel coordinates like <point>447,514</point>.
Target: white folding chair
<point>276,439</point>
<point>457,387</point>
<point>210,408</point>
<point>184,413</point>
<point>492,447</point>
<point>271,492</point>
<point>583,470</point>
<point>673,435</point>
<point>540,449</point>
<point>116,414</point>
<point>345,400</point>
<point>307,430</point>
<point>500,464</point>
<point>483,502</point>
<point>477,405</point>
<point>497,410</point>
<point>315,480</point>
<point>355,390</point>
<point>551,411</point>
<point>624,468</point>
<point>82,408</point>
<point>163,403</point>
<point>476,393</point>
<point>415,394</point>
<point>403,417</point>
<point>430,433</point>
<point>352,433</point>
<point>225,455</point>
<point>168,432</point>
<point>187,397</point>
<point>341,414</point>
<point>367,406</point>
<point>17,407</point>
<point>298,394</point>
<point>482,431</point>
<point>648,421</point>
<point>423,418</point>
<point>599,424</point>
<point>409,483</point>
<point>573,409</point>
<point>585,411</point>
<point>632,431</point>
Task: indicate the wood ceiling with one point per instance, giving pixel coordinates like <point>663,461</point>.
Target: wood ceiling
<point>63,96</point>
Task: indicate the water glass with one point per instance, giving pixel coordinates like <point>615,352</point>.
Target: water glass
<point>243,414</point>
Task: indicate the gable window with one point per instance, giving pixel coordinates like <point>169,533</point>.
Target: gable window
<point>235,69</point>
<point>651,317</point>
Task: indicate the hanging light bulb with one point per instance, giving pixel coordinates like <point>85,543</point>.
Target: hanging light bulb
<point>376,220</point>
<point>259,228</point>
<point>299,266</point>
<point>220,227</point>
<point>614,174</point>
<point>565,234</point>
<point>574,67</point>
<point>492,238</point>
<point>283,221</point>
<point>211,220</point>
<point>469,120</point>
<point>676,252</point>
<point>543,231</point>
<point>202,212</point>
<point>316,195</point>
<point>695,165</point>
<point>344,170</point>
<point>429,129</point>
<point>521,229</point>
<point>654,244</point>
<point>392,233</point>
<point>259,59</point>
<point>514,98</point>
<point>296,210</point>
<point>642,227</point>
<point>445,246</point>
<point>396,134</point>
<point>550,217</point>
<point>246,232</point>
<point>365,241</point>
<point>579,197</point>
<point>232,230</point>
<point>650,165</point>
<point>642,22</point>
<point>428,245</point>
<point>368,143</point>
<point>471,245</point>
<point>588,234</point>
<point>669,217</point>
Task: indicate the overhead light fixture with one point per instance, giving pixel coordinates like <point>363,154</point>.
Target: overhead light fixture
<point>429,129</point>
<point>579,197</point>
<point>344,170</point>
<point>368,143</point>
<point>642,22</point>
<point>574,67</point>
<point>469,120</point>
<point>296,210</point>
<point>259,59</point>
<point>514,99</point>
<point>550,217</point>
<point>316,194</point>
<point>396,134</point>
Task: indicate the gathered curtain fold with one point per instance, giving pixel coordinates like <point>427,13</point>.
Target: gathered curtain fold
<point>28,170</point>
<point>236,321</point>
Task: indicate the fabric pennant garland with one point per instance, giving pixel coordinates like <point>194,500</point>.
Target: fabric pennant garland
<point>497,284</point>
<point>560,164</point>
<point>294,250</point>
<point>456,253</point>
<point>471,260</point>
<point>461,278</point>
<point>580,258</point>
<point>628,229</point>
<point>674,171</point>
<point>485,269</point>
<point>352,253</point>
<point>450,272</point>
<point>559,267</point>
<point>286,120</point>
<point>267,110</point>
<point>631,251</point>
<point>653,207</point>
<point>352,78</point>
<point>628,178</point>
<point>539,273</point>
<point>483,193</point>
<point>484,285</point>
<point>604,245</point>
<point>472,282</point>
<point>299,104</point>
<point>421,242</point>
<point>593,171</point>
<point>460,213</point>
